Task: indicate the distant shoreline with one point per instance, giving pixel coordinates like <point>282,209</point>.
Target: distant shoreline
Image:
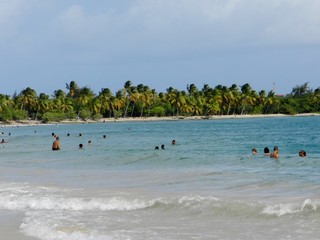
<point>150,119</point>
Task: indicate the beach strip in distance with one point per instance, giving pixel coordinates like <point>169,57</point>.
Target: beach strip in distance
<point>147,119</point>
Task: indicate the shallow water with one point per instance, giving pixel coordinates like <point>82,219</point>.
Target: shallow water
<point>207,186</point>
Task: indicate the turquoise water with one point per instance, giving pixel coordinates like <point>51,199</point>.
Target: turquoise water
<point>207,186</point>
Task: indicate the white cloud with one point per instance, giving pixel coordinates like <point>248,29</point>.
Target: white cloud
<point>184,23</point>
<point>158,27</point>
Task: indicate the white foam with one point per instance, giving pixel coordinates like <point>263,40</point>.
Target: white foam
<point>43,230</point>
<point>23,198</point>
<point>197,198</point>
<point>281,209</point>
<point>36,202</point>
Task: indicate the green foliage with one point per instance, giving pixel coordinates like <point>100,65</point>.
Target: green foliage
<point>53,117</point>
<point>70,115</point>
<point>158,111</point>
<point>141,101</point>
<point>117,113</point>
<point>97,116</point>
<point>8,114</point>
<point>85,114</point>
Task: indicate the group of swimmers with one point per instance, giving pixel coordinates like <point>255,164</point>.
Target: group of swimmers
<point>173,142</point>
<point>275,153</point>
<point>56,142</point>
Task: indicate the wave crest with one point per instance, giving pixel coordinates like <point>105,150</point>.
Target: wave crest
<point>291,208</point>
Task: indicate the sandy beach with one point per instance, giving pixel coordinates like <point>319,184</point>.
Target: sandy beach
<point>148,119</point>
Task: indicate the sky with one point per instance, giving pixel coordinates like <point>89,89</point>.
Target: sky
<point>270,44</point>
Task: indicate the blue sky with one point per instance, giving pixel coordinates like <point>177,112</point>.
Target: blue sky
<point>45,44</point>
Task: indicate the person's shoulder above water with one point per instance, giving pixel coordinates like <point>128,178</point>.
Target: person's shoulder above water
<point>275,153</point>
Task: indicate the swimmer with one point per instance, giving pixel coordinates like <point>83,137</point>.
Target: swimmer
<point>275,153</point>
<point>80,146</point>
<point>3,141</point>
<point>162,146</point>
<point>104,136</point>
<point>173,142</point>
<point>156,148</point>
<point>56,144</point>
<point>254,151</point>
<point>266,151</point>
<point>302,153</point>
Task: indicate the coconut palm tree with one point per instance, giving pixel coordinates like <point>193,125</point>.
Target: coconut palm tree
<point>126,96</point>
<point>42,104</point>
<point>84,97</point>
<point>105,101</point>
<point>27,100</point>
<point>73,89</point>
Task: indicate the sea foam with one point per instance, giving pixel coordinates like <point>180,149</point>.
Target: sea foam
<point>281,209</point>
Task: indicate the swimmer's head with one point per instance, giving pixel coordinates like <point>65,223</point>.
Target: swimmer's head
<point>254,151</point>
<point>302,153</point>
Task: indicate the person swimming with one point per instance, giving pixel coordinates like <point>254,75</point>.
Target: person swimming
<point>162,146</point>
<point>266,151</point>
<point>173,142</point>
<point>254,151</point>
<point>80,146</point>
<point>275,153</point>
<point>302,153</point>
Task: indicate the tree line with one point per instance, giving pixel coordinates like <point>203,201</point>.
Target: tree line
<point>141,101</point>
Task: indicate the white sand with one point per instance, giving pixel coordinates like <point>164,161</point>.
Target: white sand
<point>147,119</point>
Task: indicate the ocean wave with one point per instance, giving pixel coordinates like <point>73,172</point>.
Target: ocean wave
<point>23,197</point>
<point>27,202</point>
<point>281,209</point>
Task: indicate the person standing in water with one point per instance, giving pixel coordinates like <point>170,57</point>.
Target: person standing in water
<point>56,144</point>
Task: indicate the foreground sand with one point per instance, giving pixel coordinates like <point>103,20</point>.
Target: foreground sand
<point>146,119</point>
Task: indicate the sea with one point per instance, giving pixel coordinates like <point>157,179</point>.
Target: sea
<point>119,187</point>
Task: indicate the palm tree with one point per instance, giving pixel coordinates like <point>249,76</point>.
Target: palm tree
<point>105,100</point>
<point>84,97</point>
<point>42,103</point>
<point>126,95</point>
<point>134,98</point>
<point>145,98</point>
<point>235,98</point>
<point>248,97</point>
<point>95,105</point>
<point>27,100</point>
<point>5,102</point>
<point>73,89</point>
<point>213,102</point>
